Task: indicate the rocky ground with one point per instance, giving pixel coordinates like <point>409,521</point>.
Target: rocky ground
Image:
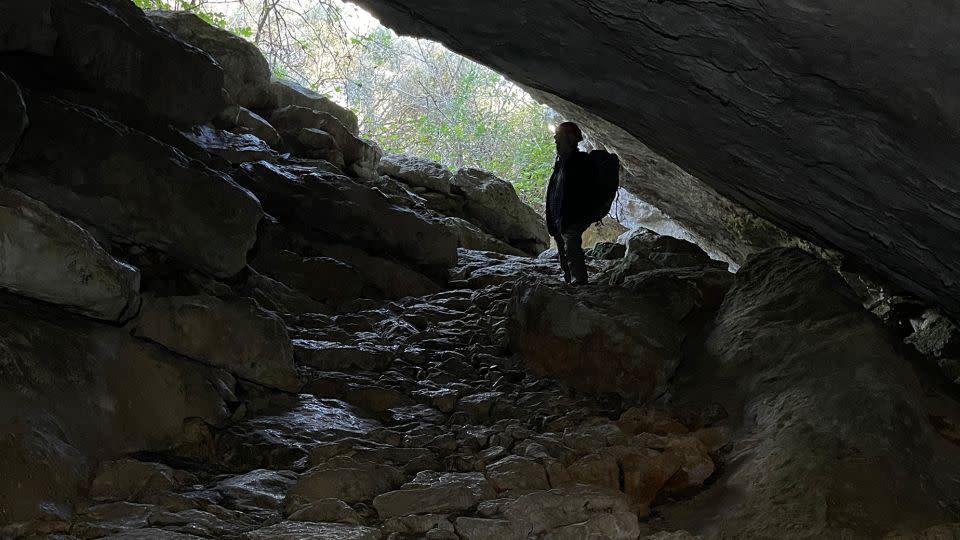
<point>225,315</point>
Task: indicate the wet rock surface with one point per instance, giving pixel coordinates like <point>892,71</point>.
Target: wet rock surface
<point>133,64</point>
<point>135,188</point>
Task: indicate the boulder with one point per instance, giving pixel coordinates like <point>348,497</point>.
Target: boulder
<point>78,392</point>
<point>132,480</point>
<point>327,510</point>
<point>416,171</point>
<point>112,48</point>
<point>469,236</point>
<point>387,279</point>
<point>608,251</point>
<point>133,187</point>
<point>246,74</point>
<point>360,156</point>
<point>610,342</point>
<point>285,93</point>
<point>50,258</point>
<point>938,338</point>
<point>517,473</point>
<point>242,120</point>
<point>619,526</point>
<point>278,297</point>
<point>608,230</point>
<point>333,356</point>
<point>346,479</point>
<point>318,203</point>
<point>543,511</point>
<point>321,278</point>
<point>301,530</point>
<point>794,350</point>
<point>237,336</point>
<point>646,250</point>
<point>471,528</point>
<point>232,147</point>
<point>13,117</point>
<point>435,492</point>
<point>494,205</point>
<point>256,490</point>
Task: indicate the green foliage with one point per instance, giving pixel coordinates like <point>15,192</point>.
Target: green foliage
<point>212,18</point>
<point>419,98</point>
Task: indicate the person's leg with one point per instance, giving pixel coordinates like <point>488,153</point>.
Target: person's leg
<point>574,250</point>
<point>562,255</point>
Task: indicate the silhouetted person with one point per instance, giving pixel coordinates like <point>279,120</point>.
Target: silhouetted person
<point>567,217</point>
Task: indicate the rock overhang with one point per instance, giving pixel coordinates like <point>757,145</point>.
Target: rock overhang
<point>833,121</point>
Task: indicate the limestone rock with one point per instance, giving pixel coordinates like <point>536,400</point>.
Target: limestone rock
<point>517,473</point>
<point>597,470</point>
<point>417,525</point>
<point>647,250</point>
<point>346,479</point>
<point>286,93</point>
<point>600,343</point>
<point>359,155</point>
<point>52,259</point>
<point>435,492</point>
<point>256,490</point>
<point>300,530</point>
<point>608,231</point>
<point>13,117</point>
<point>82,391</point>
<point>469,236</point>
<point>140,65</point>
<point>231,147</point>
<point>246,74</point>
<point>938,338</point>
<point>278,297</point>
<point>607,251</point>
<point>327,510</point>
<point>150,533</point>
<point>322,203</point>
<point>237,336</point>
<point>416,171</point>
<point>133,187</point>
<point>132,480</point>
<point>542,511</point>
<point>620,526</point>
<point>333,356</point>
<point>470,528</point>
<point>243,120</point>
<point>494,204</point>
<point>807,354</point>
<point>321,278</point>
<point>387,278</point>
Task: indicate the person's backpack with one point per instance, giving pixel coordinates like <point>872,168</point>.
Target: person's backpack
<point>606,183</point>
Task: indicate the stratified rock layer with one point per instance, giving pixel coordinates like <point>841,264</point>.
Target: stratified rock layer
<point>77,391</point>
<point>133,187</point>
<point>237,336</point>
<point>835,122</point>
<point>47,257</point>
<point>110,47</point>
<point>246,72</point>
<point>831,414</point>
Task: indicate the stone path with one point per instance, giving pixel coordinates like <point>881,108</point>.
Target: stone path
<point>415,422</point>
